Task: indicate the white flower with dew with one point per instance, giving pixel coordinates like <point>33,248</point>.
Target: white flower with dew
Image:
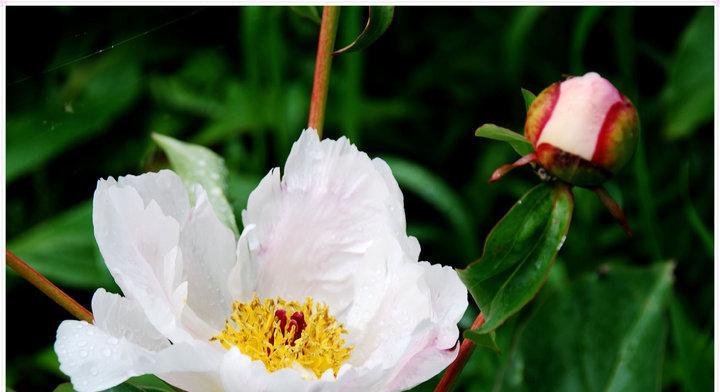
<point>323,290</point>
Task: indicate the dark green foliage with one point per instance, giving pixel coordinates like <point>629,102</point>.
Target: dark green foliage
<point>605,332</point>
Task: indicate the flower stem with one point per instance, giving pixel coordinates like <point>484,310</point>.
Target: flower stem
<point>323,61</point>
<point>466,348</point>
<point>47,287</point>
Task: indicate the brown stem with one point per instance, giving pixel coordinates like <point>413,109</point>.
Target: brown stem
<point>47,287</point>
<point>466,348</point>
<point>502,170</point>
<point>613,208</point>
<point>323,62</point>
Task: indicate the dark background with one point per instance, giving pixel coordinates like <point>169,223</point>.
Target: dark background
<point>87,85</point>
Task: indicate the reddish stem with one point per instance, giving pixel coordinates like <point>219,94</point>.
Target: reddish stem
<point>323,62</point>
<point>502,170</point>
<point>47,287</point>
<point>466,348</point>
<point>613,208</point>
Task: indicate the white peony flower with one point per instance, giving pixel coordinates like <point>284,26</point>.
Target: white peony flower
<point>322,291</point>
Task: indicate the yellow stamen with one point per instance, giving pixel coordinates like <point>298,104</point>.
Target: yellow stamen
<point>266,331</point>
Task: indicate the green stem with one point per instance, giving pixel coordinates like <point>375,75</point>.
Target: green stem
<point>47,287</point>
<point>323,62</point>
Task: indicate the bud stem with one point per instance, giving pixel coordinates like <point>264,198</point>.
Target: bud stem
<point>47,287</point>
<point>323,61</point>
<point>466,348</point>
<point>613,208</point>
<point>502,170</point>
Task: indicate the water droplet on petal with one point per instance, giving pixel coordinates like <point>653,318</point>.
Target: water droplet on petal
<point>82,343</point>
<point>94,371</point>
<point>83,354</point>
<point>113,341</point>
<point>106,352</point>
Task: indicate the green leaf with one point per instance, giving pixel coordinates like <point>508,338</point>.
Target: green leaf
<point>605,332</point>
<point>528,97</point>
<point>379,20</point>
<point>688,96</point>
<point>518,253</point>
<point>692,349</point>
<point>65,387</point>
<point>146,383</point>
<point>486,340</point>
<point>518,142</point>
<point>93,96</point>
<point>63,249</point>
<point>199,165</point>
<point>436,192</point>
<point>309,12</point>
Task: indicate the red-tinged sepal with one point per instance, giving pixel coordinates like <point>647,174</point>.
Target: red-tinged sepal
<point>504,169</point>
<point>570,167</point>
<point>613,207</point>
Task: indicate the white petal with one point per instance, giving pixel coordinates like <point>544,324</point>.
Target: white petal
<point>93,359</point>
<point>172,259</point>
<point>410,244</point>
<point>96,360</point>
<point>135,239</point>
<point>208,249</point>
<point>312,231</point>
<point>415,332</point>
<point>243,277</point>
<point>165,187</point>
<point>422,364</point>
<point>123,317</point>
<point>434,345</point>
<point>240,373</point>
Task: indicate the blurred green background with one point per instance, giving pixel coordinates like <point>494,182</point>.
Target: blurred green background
<point>87,86</point>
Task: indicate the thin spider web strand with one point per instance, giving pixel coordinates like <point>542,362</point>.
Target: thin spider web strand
<point>110,47</point>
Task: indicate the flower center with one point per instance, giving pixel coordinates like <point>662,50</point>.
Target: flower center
<point>282,334</point>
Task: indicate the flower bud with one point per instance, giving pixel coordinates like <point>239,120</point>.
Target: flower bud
<point>583,129</point>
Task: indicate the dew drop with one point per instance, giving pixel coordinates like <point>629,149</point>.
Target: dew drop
<point>562,241</point>
<point>83,354</point>
<point>82,343</point>
<point>106,352</point>
<point>94,371</point>
<point>113,341</point>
